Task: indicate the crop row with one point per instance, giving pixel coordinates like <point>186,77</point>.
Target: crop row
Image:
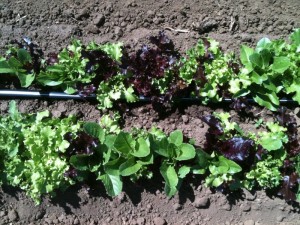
<point>40,154</point>
<point>266,73</point>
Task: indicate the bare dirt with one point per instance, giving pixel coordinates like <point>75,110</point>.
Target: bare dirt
<point>52,24</point>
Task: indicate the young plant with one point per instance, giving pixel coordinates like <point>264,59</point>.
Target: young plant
<point>33,163</point>
<point>110,156</point>
<point>114,89</point>
<point>173,152</point>
<point>222,171</point>
<point>270,69</point>
<point>67,69</point>
<point>18,62</point>
<point>209,69</point>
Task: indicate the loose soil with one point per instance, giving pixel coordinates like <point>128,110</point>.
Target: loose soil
<point>52,24</point>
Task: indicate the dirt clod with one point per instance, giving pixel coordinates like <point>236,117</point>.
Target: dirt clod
<point>201,202</point>
<point>2,213</point>
<point>159,221</point>
<point>13,215</point>
<point>39,215</point>
<point>141,221</point>
<point>249,222</point>
<point>249,196</point>
<point>177,206</point>
<point>246,207</point>
<point>99,20</point>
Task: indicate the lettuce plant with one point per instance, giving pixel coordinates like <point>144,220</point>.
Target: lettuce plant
<point>114,89</point>
<point>172,150</point>
<point>19,63</point>
<point>221,171</point>
<point>268,70</point>
<point>110,156</point>
<point>209,69</point>
<point>68,68</point>
<point>35,165</point>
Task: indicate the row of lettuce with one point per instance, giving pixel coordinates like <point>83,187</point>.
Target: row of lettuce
<point>40,154</point>
<point>112,72</point>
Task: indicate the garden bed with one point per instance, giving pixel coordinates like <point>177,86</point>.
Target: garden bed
<point>145,202</point>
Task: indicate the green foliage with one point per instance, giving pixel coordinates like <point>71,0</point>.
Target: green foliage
<point>35,155</point>
<point>221,170</point>
<point>266,72</point>
<point>218,73</point>
<point>110,123</point>
<point>190,63</point>
<point>227,125</point>
<point>112,90</point>
<point>267,163</point>
<point>119,155</point>
<point>17,64</point>
<point>114,50</point>
<point>68,71</point>
<point>209,68</point>
<point>35,165</point>
<point>274,138</point>
<point>269,69</point>
<point>266,173</point>
<point>172,150</point>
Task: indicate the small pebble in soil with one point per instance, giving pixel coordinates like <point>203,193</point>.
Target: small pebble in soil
<point>118,31</point>
<point>226,207</point>
<point>297,111</point>
<point>121,197</point>
<point>2,213</point>
<point>159,221</point>
<point>76,221</point>
<point>13,215</point>
<point>92,29</point>
<point>141,221</point>
<point>39,215</point>
<point>246,207</point>
<point>201,202</point>
<point>149,206</point>
<point>82,13</point>
<point>99,20</point>
<point>249,222</point>
<point>177,206</point>
<point>280,218</point>
<point>185,118</point>
<point>249,196</point>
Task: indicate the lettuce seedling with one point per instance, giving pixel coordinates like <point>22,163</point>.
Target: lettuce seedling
<point>270,69</point>
<point>172,151</point>
<point>20,64</point>
<point>34,161</point>
<point>69,69</point>
<point>221,171</point>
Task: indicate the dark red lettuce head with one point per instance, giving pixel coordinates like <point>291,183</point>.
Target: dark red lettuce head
<point>81,144</point>
<point>289,187</point>
<point>215,126</point>
<point>237,148</point>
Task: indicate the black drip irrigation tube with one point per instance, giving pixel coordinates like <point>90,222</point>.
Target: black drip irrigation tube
<point>26,94</point>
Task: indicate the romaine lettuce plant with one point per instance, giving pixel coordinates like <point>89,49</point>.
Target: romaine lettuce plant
<point>268,70</point>
<point>172,150</point>
<point>18,62</point>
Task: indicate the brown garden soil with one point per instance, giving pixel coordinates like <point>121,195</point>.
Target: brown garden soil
<point>52,24</point>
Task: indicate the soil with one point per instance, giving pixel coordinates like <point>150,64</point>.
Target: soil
<point>52,24</point>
